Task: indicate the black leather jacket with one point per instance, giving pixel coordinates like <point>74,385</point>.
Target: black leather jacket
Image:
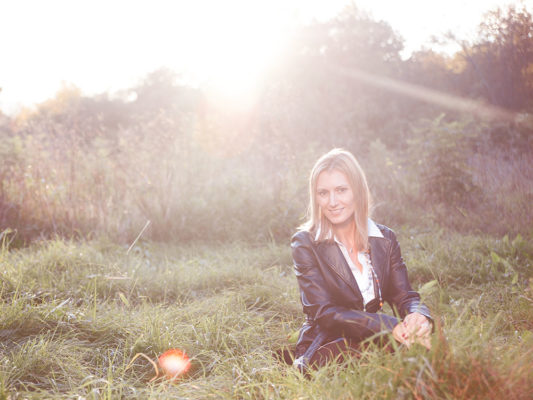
<point>331,298</point>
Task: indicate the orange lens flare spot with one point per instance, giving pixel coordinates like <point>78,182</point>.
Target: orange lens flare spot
<point>174,363</point>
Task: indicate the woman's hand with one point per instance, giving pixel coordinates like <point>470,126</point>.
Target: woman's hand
<point>415,328</point>
<point>400,334</point>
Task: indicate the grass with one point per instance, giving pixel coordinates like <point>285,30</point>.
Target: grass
<point>74,314</point>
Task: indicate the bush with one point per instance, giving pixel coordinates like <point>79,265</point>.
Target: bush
<point>445,176</point>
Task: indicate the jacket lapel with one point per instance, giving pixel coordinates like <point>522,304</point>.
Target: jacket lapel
<point>378,255</point>
<point>333,256</point>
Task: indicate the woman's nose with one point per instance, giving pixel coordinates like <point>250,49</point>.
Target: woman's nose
<point>332,199</point>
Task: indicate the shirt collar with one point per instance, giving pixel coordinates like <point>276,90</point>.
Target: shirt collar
<point>373,230</point>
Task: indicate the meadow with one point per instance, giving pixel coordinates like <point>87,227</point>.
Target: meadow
<point>160,216</point>
<point>212,275</point>
<point>75,313</point>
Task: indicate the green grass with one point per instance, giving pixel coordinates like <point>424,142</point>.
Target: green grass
<point>74,314</point>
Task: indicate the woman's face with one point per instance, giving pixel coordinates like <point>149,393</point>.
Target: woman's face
<point>335,197</point>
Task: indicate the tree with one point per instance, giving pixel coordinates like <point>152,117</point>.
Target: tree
<point>324,95</point>
<point>500,62</point>
<point>160,91</point>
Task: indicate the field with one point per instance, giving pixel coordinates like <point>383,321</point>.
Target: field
<point>89,298</point>
<point>74,314</point>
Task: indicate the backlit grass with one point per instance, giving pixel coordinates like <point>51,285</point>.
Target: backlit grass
<point>74,314</point>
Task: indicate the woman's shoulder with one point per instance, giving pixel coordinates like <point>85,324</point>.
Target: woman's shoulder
<point>375,229</point>
<point>301,236</point>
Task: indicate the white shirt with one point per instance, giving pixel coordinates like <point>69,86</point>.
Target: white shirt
<point>364,279</point>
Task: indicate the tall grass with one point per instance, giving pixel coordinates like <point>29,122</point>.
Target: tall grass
<point>73,315</point>
<point>196,180</point>
<point>507,175</point>
<point>111,183</point>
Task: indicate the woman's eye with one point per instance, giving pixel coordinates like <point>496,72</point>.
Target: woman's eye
<point>322,193</point>
<point>342,189</point>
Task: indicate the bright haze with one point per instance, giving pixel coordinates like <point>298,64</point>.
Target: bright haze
<point>104,46</point>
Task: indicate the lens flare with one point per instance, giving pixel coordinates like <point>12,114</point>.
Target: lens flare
<point>481,109</point>
<point>174,363</point>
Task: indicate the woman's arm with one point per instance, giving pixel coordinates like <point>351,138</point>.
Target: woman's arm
<point>399,292</point>
<point>318,302</point>
<point>417,323</point>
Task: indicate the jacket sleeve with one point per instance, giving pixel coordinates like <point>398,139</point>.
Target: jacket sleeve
<point>319,303</point>
<point>399,291</point>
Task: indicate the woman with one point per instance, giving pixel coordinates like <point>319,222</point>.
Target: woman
<point>347,266</point>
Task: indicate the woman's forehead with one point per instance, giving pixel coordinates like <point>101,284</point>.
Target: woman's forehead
<point>332,178</point>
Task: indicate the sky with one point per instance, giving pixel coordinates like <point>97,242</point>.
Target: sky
<point>107,45</point>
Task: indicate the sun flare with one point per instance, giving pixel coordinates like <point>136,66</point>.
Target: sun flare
<point>230,48</point>
<point>174,363</point>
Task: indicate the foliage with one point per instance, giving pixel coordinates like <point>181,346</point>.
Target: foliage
<point>495,67</point>
<point>312,99</point>
<point>115,182</point>
<point>445,176</point>
<point>199,169</point>
<point>503,56</point>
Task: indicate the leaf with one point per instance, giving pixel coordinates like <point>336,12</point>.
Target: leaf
<point>496,259</point>
<point>293,337</point>
<point>505,240</point>
<point>517,241</point>
<point>508,267</point>
<point>124,299</point>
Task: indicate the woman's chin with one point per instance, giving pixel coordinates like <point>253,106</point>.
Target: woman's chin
<point>340,221</point>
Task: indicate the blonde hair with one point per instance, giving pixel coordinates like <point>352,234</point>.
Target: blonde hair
<point>317,224</point>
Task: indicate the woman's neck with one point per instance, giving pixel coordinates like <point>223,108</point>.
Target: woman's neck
<point>345,233</point>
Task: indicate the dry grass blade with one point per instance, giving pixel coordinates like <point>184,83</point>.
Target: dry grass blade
<point>154,364</point>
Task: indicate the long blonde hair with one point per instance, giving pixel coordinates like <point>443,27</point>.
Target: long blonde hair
<point>317,224</point>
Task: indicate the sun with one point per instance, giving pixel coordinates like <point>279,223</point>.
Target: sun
<point>233,64</point>
<point>228,46</point>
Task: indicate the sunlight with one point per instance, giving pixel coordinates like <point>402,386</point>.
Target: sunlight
<point>232,71</point>
<point>230,48</point>
<point>446,100</point>
<point>225,46</point>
